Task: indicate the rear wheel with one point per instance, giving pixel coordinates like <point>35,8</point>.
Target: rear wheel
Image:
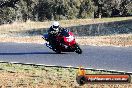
<point>78,49</point>
<point>57,51</point>
<point>55,47</point>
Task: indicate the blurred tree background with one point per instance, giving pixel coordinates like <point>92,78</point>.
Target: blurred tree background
<point>42,10</point>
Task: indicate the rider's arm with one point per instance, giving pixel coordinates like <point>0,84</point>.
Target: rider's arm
<point>50,31</point>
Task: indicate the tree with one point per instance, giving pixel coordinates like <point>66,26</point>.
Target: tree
<point>86,9</point>
<point>7,16</point>
<point>129,8</point>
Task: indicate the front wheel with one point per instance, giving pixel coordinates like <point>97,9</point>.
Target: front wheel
<point>78,49</point>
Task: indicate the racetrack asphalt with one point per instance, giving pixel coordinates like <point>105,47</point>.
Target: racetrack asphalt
<point>106,57</point>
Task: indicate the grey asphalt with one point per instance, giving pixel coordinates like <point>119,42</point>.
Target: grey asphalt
<point>109,58</point>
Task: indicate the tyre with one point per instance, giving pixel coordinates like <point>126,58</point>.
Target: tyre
<point>57,51</point>
<point>78,49</point>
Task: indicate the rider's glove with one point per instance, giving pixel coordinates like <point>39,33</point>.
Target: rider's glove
<point>52,32</point>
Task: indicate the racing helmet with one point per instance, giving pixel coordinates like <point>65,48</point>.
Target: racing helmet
<point>55,26</point>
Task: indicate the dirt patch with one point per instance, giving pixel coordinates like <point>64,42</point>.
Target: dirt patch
<point>27,39</point>
<point>113,40</point>
<point>123,40</point>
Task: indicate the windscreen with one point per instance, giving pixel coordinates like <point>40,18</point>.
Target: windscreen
<point>65,33</point>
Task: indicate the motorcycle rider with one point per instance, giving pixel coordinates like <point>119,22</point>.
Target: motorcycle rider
<point>54,31</point>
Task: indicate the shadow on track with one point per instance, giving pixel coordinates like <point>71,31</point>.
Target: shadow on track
<point>31,53</point>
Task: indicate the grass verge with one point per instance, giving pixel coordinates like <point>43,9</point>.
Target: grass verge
<point>10,32</point>
<point>34,76</point>
<point>18,27</point>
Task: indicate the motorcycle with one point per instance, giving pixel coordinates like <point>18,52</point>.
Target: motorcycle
<point>65,42</point>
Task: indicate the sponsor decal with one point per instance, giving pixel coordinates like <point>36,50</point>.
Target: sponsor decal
<point>83,78</point>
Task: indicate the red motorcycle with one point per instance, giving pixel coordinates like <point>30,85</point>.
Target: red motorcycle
<point>65,42</point>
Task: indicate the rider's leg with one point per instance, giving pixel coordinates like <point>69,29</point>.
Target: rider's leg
<point>52,41</point>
